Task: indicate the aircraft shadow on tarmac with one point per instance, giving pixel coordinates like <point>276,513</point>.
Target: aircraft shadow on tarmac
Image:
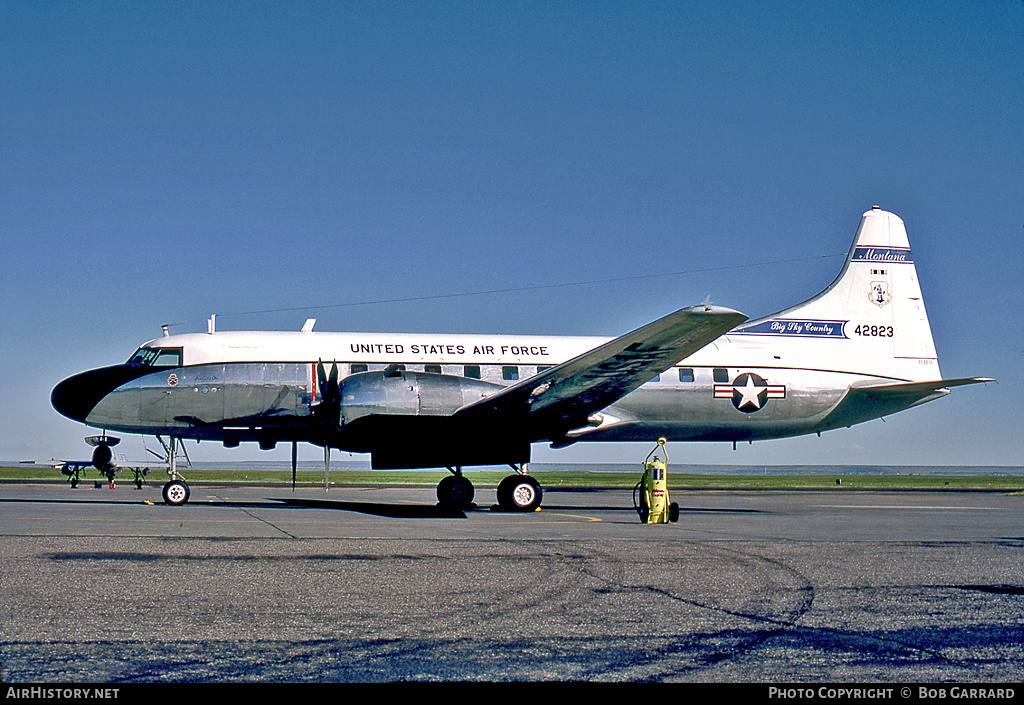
<point>425,511</point>
<point>397,511</point>
<point>394,511</point>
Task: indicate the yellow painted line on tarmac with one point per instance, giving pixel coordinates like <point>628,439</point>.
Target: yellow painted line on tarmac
<point>585,518</point>
<point>575,517</point>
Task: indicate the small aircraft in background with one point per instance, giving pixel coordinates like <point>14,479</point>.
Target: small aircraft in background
<point>104,461</point>
<point>859,350</point>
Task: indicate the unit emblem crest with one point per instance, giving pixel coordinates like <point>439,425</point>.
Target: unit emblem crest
<point>880,294</point>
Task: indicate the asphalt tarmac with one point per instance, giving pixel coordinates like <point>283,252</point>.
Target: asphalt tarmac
<point>260,584</point>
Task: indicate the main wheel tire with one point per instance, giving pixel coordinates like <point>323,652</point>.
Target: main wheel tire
<point>455,492</point>
<point>519,493</point>
<point>176,493</point>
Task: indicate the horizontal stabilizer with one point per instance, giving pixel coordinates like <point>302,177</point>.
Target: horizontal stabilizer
<point>871,400</point>
<point>919,387</point>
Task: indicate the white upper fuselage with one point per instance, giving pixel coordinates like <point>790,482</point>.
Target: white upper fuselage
<point>383,348</point>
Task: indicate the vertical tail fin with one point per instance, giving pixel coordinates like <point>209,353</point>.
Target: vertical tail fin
<point>871,319</point>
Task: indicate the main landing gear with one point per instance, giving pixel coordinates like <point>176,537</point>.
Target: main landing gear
<point>516,493</point>
<point>455,491</point>
<point>519,493</point>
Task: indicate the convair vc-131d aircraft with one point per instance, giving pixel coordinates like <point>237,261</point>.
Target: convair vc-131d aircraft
<point>859,350</point>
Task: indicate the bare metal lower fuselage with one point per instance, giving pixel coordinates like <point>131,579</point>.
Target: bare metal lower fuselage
<point>276,402</point>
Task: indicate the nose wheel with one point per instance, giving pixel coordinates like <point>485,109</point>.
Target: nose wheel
<point>176,493</point>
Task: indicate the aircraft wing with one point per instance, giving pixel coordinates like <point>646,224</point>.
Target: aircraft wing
<point>58,464</point>
<point>565,395</point>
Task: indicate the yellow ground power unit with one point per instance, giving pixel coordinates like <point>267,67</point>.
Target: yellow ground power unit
<point>650,496</point>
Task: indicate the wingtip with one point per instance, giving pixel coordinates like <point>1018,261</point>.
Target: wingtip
<point>967,380</point>
<point>714,310</point>
<point>733,316</point>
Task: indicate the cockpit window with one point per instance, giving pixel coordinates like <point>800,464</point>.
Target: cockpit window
<point>138,357</point>
<point>156,357</point>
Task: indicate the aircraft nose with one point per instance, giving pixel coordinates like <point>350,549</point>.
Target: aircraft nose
<point>78,395</point>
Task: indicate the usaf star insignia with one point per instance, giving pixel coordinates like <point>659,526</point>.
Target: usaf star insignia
<point>749,392</point>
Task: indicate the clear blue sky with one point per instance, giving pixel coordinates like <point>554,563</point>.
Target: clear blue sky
<point>161,162</point>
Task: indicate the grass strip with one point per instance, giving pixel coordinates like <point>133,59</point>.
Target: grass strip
<point>828,479</point>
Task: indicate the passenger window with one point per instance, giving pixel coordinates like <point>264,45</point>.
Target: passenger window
<point>435,369</point>
<point>358,367</point>
<point>685,374</point>
<point>721,374</point>
<point>510,373</point>
<point>472,371</point>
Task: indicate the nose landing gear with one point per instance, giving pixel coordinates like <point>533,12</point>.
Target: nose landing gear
<point>175,492</point>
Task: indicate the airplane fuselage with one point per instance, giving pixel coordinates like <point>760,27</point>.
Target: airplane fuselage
<point>860,349</point>
<point>229,384</point>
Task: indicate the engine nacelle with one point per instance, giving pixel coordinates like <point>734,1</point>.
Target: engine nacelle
<point>102,456</point>
<point>407,393</point>
<point>403,419</point>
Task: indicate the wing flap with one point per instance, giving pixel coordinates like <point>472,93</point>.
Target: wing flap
<point>598,378</point>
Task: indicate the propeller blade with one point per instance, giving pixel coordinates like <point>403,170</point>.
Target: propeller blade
<point>329,408</point>
<point>333,390</point>
<point>321,378</point>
